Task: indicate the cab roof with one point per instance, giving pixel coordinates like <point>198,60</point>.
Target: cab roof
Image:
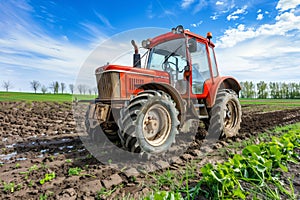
<point>171,36</point>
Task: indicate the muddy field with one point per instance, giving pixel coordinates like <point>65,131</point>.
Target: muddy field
<point>39,141</point>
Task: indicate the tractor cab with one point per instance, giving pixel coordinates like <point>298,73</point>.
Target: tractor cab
<point>188,59</point>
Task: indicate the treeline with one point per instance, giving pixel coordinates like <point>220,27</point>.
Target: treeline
<point>274,90</point>
<point>55,87</point>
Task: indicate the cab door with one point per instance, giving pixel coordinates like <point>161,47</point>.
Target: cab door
<point>200,68</point>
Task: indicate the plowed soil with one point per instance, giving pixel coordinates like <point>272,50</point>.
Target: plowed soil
<point>37,139</point>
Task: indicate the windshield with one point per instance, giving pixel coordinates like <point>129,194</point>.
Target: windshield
<point>170,54</point>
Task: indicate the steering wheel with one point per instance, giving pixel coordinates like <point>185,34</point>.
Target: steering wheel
<point>166,66</point>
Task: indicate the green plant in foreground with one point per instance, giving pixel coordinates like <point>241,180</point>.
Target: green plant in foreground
<point>107,192</point>
<point>43,197</point>
<point>74,171</point>
<point>17,165</point>
<point>9,187</point>
<point>256,165</point>
<point>165,195</point>
<point>33,168</point>
<point>44,166</point>
<point>255,173</point>
<point>69,160</point>
<point>31,183</point>
<point>48,177</point>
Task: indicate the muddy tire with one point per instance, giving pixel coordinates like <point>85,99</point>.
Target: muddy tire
<point>225,115</point>
<point>149,123</point>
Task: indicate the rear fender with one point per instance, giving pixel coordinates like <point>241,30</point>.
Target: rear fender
<point>220,83</point>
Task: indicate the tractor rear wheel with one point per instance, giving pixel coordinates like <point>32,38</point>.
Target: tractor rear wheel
<point>225,115</point>
<point>149,123</point>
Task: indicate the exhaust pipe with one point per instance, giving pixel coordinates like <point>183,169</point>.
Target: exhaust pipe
<point>136,55</point>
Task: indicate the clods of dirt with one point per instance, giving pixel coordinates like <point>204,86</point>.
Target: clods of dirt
<point>39,144</point>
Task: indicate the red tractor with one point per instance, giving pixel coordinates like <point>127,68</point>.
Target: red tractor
<point>145,107</point>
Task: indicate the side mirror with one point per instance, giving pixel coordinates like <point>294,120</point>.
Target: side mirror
<point>192,45</point>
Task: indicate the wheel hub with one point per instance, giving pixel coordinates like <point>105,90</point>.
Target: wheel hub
<point>151,125</point>
<point>230,115</point>
<point>156,125</point>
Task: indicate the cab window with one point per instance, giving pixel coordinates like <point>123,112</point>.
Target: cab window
<point>213,62</point>
<point>200,68</point>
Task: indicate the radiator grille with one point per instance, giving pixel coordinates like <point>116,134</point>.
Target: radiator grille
<point>134,83</point>
<point>108,85</point>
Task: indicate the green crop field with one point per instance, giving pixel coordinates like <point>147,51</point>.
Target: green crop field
<point>274,102</point>
<point>22,96</point>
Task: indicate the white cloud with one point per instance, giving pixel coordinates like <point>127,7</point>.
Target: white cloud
<point>234,15</point>
<point>259,11</point>
<point>259,17</point>
<point>149,11</point>
<point>167,13</point>
<point>104,20</point>
<point>30,52</point>
<point>197,24</point>
<point>218,3</point>
<point>269,52</point>
<point>222,7</point>
<point>186,3</point>
<point>285,22</point>
<point>284,5</point>
<point>214,17</point>
<point>262,58</point>
<point>200,5</point>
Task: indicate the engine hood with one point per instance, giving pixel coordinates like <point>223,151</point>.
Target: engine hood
<point>129,69</point>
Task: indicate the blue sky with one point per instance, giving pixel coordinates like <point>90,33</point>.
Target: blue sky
<point>52,40</point>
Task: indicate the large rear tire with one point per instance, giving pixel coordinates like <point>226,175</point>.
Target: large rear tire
<point>225,115</point>
<point>149,123</point>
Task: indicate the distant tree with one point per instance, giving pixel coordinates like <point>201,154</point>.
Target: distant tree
<point>56,87</point>
<point>81,88</point>
<point>52,87</point>
<point>62,87</point>
<point>284,91</point>
<point>248,89</point>
<point>90,91</point>
<point>272,87</point>
<point>71,87</point>
<point>242,95</point>
<point>84,89</point>
<point>292,90</point>
<point>95,90</point>
<point>7,85</point>
<point>44,89</point>
<point>262,90</point>
<point>296,90</point>
<point>35,85</point>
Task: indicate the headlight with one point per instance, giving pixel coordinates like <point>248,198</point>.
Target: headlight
<point>146,43</point>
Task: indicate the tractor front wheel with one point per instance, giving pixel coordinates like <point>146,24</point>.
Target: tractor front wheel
<point>149,123</point>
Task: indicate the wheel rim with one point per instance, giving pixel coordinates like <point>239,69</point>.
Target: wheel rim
<point>230,115</point>
<point>156,125</point>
